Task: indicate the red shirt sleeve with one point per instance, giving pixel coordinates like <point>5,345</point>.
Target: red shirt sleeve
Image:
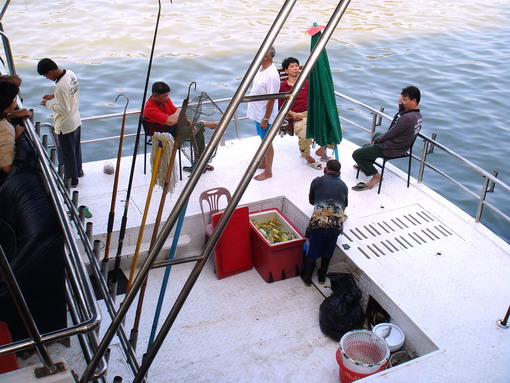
<point>158,114</point>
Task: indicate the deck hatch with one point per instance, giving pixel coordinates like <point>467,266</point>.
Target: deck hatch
<point>395,232</point>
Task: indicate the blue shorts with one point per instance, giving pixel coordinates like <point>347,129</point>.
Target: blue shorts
<point>261,132</point>
<point>321,245</point>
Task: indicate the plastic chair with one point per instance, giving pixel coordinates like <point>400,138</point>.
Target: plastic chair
<point>408,154</point>
<point>212,197</point>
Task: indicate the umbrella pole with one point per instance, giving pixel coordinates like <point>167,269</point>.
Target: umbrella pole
<point>111,216</point>
<point>145,213</point>
<point>335,150</point>
<point>134,331</point>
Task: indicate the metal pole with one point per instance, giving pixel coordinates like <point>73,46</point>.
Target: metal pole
<point>504,323</point>
<point>335,18</point>
<point>190,185</point>
<point>481,200</point>
<point>24,312</point>
<point>422,161</point>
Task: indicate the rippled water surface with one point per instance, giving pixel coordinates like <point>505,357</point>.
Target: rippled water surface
<point>456,52</point>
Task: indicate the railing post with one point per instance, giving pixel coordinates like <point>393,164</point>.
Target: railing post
<point>376,121</point>
<point>492,184</point>
<point>423,160</point>
<point>481,200</point>
<point>431,147</point>
<point>236,124</point>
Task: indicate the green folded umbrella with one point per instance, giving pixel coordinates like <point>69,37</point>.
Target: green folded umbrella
<point>323,123</point>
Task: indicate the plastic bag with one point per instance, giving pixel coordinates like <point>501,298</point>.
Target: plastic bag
<point>341,311</point>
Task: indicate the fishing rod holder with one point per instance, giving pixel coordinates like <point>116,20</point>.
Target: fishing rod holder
<point>492,184</point>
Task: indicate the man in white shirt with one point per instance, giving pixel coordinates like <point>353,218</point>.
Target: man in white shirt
<point>267,81</point>
<point>66,117</point>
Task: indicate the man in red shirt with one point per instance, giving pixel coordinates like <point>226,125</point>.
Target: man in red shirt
<point>159,109</point>
<point>298,111</point>
<point>162,115</point>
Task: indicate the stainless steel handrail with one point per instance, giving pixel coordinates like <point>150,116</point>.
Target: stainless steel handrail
<point>7,51</point>
<point>486,176</point>
<point>376,112</point>
<point>75,269</point>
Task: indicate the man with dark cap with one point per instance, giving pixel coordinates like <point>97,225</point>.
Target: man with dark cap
<point>328,195</point>
<point>64,104</point>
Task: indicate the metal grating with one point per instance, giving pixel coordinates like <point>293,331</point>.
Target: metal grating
<point>396,231</point>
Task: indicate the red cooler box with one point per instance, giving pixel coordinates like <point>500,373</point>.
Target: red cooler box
<point>278,261</point>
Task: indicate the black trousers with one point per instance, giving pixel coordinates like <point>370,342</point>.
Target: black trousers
<point>69,152</point>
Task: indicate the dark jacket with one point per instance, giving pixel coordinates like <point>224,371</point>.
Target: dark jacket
<point>399,137</point>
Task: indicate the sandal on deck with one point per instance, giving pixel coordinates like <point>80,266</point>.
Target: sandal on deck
<point>314,165</point>
<point>325,159</point>
<point>361,186</point>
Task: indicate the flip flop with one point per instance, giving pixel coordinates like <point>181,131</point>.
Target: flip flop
<point>361,186</point>
<point>209,168</point>
<point>314,165</point>
<point>325,159</point>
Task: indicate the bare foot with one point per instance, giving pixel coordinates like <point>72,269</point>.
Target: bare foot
<point>310,159</point>
<point>261,166</point>
<point>263,176</point>
<point>320,152</point>
<point>375,180</point>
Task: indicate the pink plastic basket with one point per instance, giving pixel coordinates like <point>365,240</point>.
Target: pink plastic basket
<point>363,351</point>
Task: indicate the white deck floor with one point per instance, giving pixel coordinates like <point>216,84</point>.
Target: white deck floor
<point>432,263</point>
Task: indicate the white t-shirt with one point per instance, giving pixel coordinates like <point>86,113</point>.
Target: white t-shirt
<point>66,116</point>
<point>7,143</point>
<point>265,82</point>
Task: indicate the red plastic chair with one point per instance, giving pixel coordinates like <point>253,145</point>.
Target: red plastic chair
<point>212,197</point>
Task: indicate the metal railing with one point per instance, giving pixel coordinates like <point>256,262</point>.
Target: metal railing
<point>79,283</point>
<point>80,298</point>
<point>488,180</point>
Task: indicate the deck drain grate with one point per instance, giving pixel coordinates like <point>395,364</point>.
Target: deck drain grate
<point>396,231</point>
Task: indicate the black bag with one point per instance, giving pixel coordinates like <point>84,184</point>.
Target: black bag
<point>341,311</point>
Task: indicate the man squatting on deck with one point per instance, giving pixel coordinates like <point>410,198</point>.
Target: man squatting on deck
<point>64,104</point>
<point>298,112</point>
<point>263,113</point>
<point>161,115</point>
<point>395,142</point>
<point>328,195</point>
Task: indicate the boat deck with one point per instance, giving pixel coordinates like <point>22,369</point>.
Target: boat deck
<point>423,259</point>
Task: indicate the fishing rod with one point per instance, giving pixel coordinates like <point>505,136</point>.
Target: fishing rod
<point>111,216</point>
<point>155,169</point>
<point>122,232</point>
<point>182,133</point>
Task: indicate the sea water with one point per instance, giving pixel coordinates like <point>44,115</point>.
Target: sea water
<point>456,52</point>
